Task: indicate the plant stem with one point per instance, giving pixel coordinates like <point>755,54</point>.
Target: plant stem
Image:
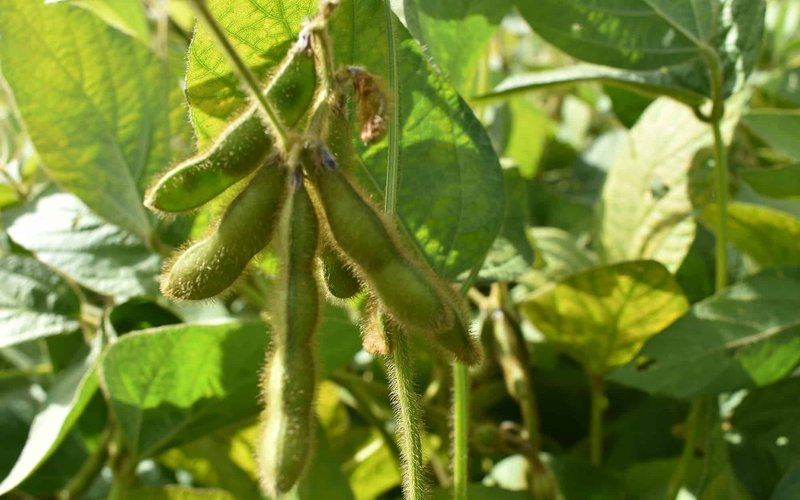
<point>460,430</point>
<point>89,470</point>
<point>274,122</point>
<point>599,404</point>
<point>721,177</point>
<point>406,406</point>
<point>721,251</point>
<point>392,169</point>
<point>692,424</point>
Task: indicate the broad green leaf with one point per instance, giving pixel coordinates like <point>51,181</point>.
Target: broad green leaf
<point>376,470</point>
<point>96,103</point>
<point>747,335</point>
<point>172,384</point>
<point>719,480</point>
<point>660,35</point>
<point>224,459</point>
<point>528,132</point>
<point>766,439</point>
<point>66,399</point>
<point>261,31</point>
<point>339,339</point>
<point>477,491</point>
<point>654,82</point>
<point>441,147</point>
<point>646,211</point>
<point>559,253</point>
<point>324,478</point>
<point>128,17</point>
<point>511,254</point>
<point>440,26</point>
<point>175,493</point>
<point>769,236</point>
<point>63,234</point>
<point>789,485</point>
<point>34,302</point>
<point>777,182</point>
<point>602,316</point>
<point>778,128</point>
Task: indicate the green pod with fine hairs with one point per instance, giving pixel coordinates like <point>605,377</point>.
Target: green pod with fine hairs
<point>339,278</point>
<point>285,444</point>
<point>405,286</point>
<point>210,266</point>
<point>244,145</point>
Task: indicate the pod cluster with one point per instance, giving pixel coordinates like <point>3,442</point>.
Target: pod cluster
<point>330,237</point>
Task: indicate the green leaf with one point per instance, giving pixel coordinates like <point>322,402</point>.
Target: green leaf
<point>96,103</point>
<point>477,491</point>
<point>175,493</point>
<point>778,128</point>
<point>324,478</point>
<point>559,253</point>
<point>777,182</point>
<point>128,17</point>
<point>602,316</point>
<point>766,439</point>
<point>660,35</point>
<point>767,235</point>
<point>720,480</point>
<point>442,147</point>
<point>65,235</point>
<point>654,82</point>
<point>172,384</point>
<point>511,254</point>
<point>528,132</point>
<point>224,459</point>
<point>339,339</point>
<point>440,26</point>
<point>261,32</point>
<point>646,211</point>
<point>66,399</point>
<point>788,486</point>
<point>749,334</point>
<point>34,302</point>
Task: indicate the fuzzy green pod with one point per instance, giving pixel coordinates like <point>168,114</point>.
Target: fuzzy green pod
<point>285,444</point>
<point>360,230</point>
<point>339,278</point>
<point>210,266</point>
<point>241,148</point>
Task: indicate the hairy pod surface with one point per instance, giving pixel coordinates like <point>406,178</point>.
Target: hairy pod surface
<point>241,148</point>
<point>339,278</point>
<point>210,266</point>
<point>286,442</point>
<point>369,241</point>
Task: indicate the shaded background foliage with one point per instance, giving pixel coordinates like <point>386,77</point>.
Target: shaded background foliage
<point>549,148</point>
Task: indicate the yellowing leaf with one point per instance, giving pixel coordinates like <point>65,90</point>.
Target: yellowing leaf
<point>602,316</point>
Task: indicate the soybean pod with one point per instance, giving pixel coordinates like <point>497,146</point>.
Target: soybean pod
<point>210,266</point>
<point>285,445</point>
<point>339,278</point>
<point>241,148</point>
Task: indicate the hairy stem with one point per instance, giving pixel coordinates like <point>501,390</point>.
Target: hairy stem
<point>274,122</point>
<point>406,405</point>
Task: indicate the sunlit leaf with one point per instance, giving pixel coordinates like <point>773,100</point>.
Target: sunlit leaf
<point>602,316</point>
<point>34,301</point>
<point>747,335</point>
